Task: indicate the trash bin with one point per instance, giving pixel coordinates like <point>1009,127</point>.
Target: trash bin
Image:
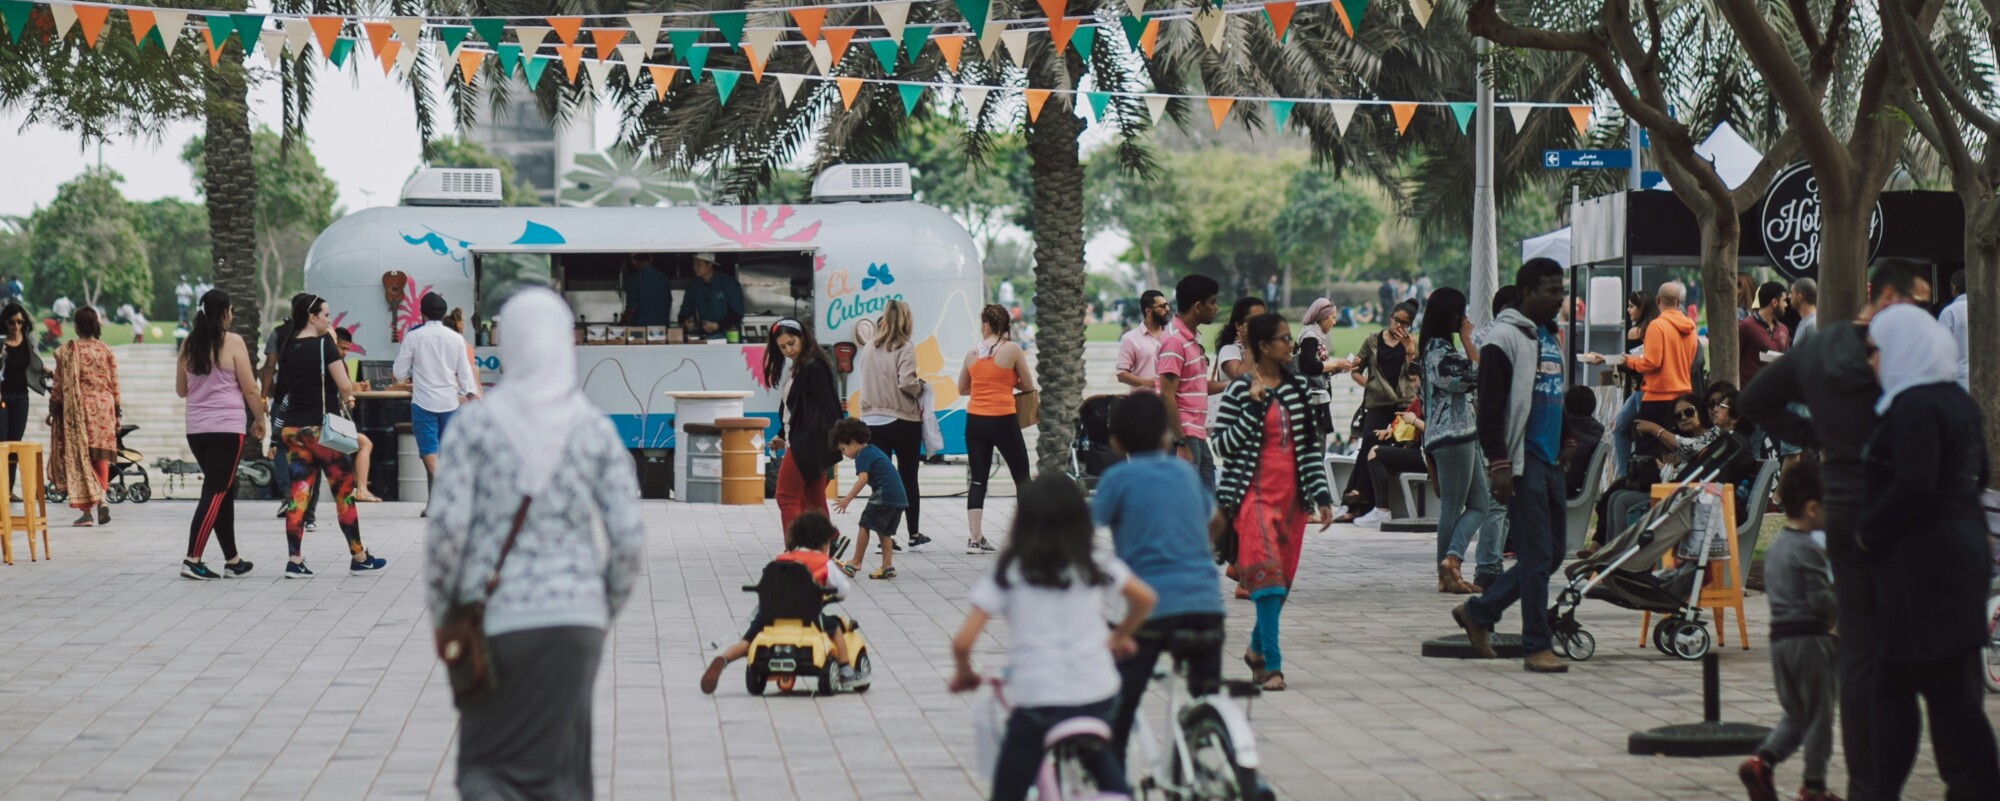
<point>701,462</point>
<point>656,472</point>
<point>412,483</point>
<point>742,481</point>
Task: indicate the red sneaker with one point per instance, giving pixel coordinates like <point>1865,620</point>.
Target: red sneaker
<point>1757,778</point>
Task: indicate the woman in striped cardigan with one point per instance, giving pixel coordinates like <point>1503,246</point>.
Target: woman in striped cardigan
<point>1269,486</point>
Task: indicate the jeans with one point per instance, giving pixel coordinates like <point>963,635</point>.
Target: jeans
<point>1954,703</point>
<point>1021,750</point>
<point>1204,670</point>
<point>1465,504</point>
<point>983,434</point>
<point>1203,459</point>
<point>1621,433</point>
<point>1533,519</point>
<point>904,440</point>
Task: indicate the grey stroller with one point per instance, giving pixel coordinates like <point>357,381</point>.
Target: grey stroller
<point>1626,571</point>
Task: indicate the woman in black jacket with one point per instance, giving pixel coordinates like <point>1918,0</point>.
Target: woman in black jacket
<point>1925,534</point>
<point>805,418</point>
<point>21,370</point>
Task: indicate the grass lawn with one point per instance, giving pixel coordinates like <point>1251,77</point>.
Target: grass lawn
<point>1343,340</point>
<point>116,334</point>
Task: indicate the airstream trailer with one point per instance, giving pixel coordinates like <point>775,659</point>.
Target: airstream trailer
<point>834,264</point>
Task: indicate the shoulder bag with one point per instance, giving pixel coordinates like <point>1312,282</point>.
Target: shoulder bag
<point>336,433</point>
<point>461,639</point>
<point>1028,408</point>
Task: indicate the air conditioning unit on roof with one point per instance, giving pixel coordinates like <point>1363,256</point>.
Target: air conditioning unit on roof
<point>453,186</point>
<point>862,182</point>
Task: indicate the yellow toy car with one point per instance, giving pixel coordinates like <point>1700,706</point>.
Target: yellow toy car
<point>796,634</point>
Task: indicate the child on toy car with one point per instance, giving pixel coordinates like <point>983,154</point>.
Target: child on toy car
<point>809,535</point>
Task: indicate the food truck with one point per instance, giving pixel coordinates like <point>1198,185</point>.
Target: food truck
<point>835,263</point>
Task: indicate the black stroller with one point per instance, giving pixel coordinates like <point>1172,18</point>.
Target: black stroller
<point>1090,451</point>
<point>1625,571</point>
<point>129,480</point>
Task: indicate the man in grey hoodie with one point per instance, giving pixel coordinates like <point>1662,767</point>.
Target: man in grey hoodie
<point>1521,432</point>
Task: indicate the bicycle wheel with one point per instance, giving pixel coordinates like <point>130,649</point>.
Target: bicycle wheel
<point>1213,757</point>
<point>1063,776</point>
<point>1993,644</point>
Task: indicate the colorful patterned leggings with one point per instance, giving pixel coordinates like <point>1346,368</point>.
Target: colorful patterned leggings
<point>308,459</point>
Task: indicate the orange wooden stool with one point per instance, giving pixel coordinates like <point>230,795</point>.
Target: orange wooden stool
<point>1720,590</point>
<point>34,515</point>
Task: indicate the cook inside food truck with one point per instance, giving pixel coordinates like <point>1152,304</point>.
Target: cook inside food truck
<point>666,298</point>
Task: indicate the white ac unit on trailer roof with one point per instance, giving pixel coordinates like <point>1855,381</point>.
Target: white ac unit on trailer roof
<point>453,186</point>
<point>862,182</point>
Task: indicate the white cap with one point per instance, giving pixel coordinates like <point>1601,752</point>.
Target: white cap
<point>706,255</point>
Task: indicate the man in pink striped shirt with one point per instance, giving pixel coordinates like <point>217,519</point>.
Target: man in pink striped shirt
<point>1182,371</point>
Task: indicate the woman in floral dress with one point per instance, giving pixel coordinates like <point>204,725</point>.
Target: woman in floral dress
<point>83,419</point>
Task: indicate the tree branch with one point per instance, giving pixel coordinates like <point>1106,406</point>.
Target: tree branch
<point>1767,52</point>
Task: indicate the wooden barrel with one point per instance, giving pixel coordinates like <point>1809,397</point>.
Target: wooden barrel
<point>742,485</point>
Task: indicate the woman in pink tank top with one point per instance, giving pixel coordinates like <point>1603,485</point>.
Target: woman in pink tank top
<point>214,375</point>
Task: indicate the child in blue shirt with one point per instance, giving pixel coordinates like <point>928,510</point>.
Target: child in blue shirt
<point>886,499</point>
<point>1160,518</point>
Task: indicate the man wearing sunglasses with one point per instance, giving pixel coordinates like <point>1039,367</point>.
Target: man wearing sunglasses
<point>1830,376</point>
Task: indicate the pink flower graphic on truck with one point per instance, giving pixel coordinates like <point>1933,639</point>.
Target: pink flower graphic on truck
<point>760,227</point>
<point>408,314</point>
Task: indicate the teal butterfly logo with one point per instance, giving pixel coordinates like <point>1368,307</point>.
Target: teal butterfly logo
<point>877,274</point>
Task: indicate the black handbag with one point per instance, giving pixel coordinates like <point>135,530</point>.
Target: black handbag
<point>1225,543</point>
<point>461,640</point>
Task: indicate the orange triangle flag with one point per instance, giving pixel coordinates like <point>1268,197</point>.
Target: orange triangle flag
<point>1218,109</point>
<point>1402,111</point>
<point>607,41</point>
<point>809,20</point>
<point>663,78</point>
<point>572,57</point>
<point>566,28</point>
<point>756,62</point>
<point>468,63</point>
<point>1581,116</point>
<point>1281,17</point>
<point>1151,38</point>
<point>849,88</point>
<point>1345,23</point>
<point>1060,29</point>
<point>836,42</point>
<point>378,35</point>
<point>214,53</point>
<point>387,54</point>
<point>327,29</point>
<point>950,46</point>
<point>92,20</point>
<point>142,24</point>
<point>1036,98</point>
<point>1053,9</point>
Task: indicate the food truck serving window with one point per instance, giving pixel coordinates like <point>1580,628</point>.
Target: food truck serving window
<point>661,297</point>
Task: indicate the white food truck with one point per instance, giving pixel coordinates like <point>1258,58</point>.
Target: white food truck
<point>835,262</point>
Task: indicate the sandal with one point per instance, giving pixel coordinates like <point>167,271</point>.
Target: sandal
<point>1256,663</point>
<point>850,570</point>
<point>360,497</point>
<point>1273,682</point>
<point>884,573</point>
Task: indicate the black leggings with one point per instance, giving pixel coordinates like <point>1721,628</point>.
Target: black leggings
<point>982,434</point>
<point>217,455</point>
<point>13,425</point>
<point>1361,481</point>
<point>904,440</point>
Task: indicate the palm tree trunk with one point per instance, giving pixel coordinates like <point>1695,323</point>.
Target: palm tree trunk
<point>1982,283</point>
<point>229,184</point>
<point>1058,199</point>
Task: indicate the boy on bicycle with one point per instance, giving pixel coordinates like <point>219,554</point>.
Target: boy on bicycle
<point>1159,515</point>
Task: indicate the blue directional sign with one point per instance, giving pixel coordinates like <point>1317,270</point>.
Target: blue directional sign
<point>1587,159</point>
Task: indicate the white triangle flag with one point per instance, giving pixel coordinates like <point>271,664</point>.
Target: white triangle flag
<point>762,40</point>
<point>1017,45</point>
<point>530,38</point>
<point>635,61</point>
<point>406,57</point>
<point>297,35</point>
<point>274,46</point>
<point>1520,113</point>
<point>645,29</point>
<point>408,30</point>
<point>65,16</point>
<point>1156,105</point>
<point>1210,20</point>
<point>1343,113</point>
<point>893,16</point>
<point>990,37</point>
<point>822,56</point>
<point>788,83</point>
<point>600,72</point>
<point>1421,8</point>
<point>975,101</point>
<point>1138,7</point>
<point>169,25</point>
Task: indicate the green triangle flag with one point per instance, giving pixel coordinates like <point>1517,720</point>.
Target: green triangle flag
<point>914,37</point>
<point>1135,27</point>
<point>1098,101</point>
<point>249,28</point>
<point>510,54</point>
<point>531,68</point>
<point>340,50</point>
<point>1462,112</point>
<point>695,57</point>
<point>1281,111</point>
<point>453,35</point>
<point>15,12</point>
<point>911,93</point>
<point>1354,9</point>
<point>725,82</point>
<point>220,26</point>
<point>683,40</point>
<point>492,29</point>
<point>1082,39</point>
<point>731,23</point>
<point>885,52</point>
<point>974,12</point>
<point>153,38</point>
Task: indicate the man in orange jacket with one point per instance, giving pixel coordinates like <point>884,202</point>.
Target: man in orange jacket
<point>1663,364</point>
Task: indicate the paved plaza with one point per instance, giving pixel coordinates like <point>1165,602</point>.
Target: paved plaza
<point>118,679</point>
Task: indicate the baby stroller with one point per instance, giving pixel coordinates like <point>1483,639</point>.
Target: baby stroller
<point>1090,452</point>
<point>129,480</point>
<point>1623,572</point>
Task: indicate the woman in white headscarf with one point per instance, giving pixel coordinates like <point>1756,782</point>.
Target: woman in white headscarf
<point>1315,360</point>
<point>1925,533</point>
<point>536,458</point>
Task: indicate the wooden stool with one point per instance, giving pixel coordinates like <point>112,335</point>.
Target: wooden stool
<point>34,514</point>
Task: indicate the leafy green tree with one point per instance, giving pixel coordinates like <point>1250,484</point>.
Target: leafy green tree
<point>176,234</point>
<point>88,247</point>
<point>1324,230</point>
<point>16,246</point>
<point>461,152</point>
<point>294,201</point>
<point>985,191</point>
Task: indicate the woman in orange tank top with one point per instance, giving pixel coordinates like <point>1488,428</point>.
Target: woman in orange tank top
<point>992,371</point>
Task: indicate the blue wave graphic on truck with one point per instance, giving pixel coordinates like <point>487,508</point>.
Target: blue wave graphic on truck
<point>454,248</point>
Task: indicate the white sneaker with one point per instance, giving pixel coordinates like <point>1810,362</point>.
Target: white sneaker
<point>1373,518</point>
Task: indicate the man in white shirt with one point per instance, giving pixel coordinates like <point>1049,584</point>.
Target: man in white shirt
<point>1953,318</point>
<point>63,308</point>
<point>183,299</point>
<point>433,362</point>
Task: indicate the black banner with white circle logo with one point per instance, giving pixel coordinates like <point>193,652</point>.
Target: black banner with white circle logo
<point>1789,223</point>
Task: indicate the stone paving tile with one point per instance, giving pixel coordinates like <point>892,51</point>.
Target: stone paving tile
<point>120,680</point>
